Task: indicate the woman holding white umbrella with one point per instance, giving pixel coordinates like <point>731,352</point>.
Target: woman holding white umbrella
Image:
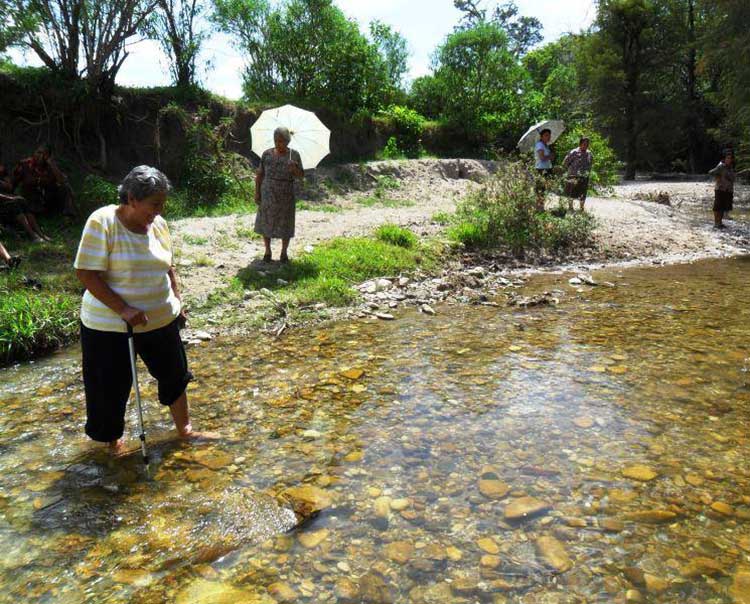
<point>274,193</point>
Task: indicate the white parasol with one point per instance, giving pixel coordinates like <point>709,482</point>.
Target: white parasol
<point>310,137</point>
<point>530,139</point>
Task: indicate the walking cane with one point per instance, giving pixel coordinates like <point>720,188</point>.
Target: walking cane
<point>142,436</point>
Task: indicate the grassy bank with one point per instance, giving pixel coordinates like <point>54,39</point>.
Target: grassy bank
<point>39,301</point>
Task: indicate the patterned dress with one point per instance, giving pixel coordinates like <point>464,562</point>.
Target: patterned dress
<point>276,213</point>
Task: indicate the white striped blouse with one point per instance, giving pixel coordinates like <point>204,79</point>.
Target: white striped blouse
<point>135,266</point>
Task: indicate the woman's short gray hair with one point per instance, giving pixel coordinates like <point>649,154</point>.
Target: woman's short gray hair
<point>142,182</point>
<point>282,133</point>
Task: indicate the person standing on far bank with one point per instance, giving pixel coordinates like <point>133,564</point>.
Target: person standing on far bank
<point>543,156</point>
<point>274,193</point>
<point>578,163</point>
<point>724,188</point>
<point>124,261</point>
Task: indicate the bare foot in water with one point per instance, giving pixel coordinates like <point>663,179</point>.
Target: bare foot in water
<point>117,447</point>
<point>189,434</point>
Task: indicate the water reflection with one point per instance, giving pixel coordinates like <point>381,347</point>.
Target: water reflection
<point>571,454</point>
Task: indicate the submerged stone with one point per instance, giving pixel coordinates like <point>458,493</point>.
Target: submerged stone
<point>651,516</point>
<point>554,554</point>
<point>203,591</point>
<point>640,472</point>
<point>526,507</point>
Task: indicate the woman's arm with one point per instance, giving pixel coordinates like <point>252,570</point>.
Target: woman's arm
<point>92,281</point>
<point>258,182</point>
<point>296,166</point>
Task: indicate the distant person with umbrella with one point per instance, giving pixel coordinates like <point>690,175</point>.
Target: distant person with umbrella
<point>543,157</point>
<point>724,188</point>
<point>578,163</point>
<point>124,261</point>
<point>275,195</point>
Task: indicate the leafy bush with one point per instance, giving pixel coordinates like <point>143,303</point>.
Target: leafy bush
<point>396,235</point>
<point>606,169</point>
<point>503,214</point>
<point>409,126</point>
<point>94,193</point>
<point>391,150</point>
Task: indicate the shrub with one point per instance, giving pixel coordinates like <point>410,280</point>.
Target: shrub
<point>396,235</point>
<point>391,150</point>
<point>94,193</point>
<point>409,126</point>
<point>606,169</point>
<point>503,214</point>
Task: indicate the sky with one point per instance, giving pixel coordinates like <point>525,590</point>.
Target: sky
<point>424,23</point>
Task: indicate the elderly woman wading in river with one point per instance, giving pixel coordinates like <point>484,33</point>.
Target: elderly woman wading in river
<point>124,261</point>
<point>274,193</point>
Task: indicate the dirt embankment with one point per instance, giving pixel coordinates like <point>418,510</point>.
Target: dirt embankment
<point>354,199</point>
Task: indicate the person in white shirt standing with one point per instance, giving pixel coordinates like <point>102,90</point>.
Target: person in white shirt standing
<point>125,262</point>
<point>578,163</point>
<point>543,156</point>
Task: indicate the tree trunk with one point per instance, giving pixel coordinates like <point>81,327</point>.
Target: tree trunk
<point>693,117</point>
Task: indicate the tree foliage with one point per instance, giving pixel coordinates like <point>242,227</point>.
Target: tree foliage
<point>306,51</point>
<point>176,25</point>
<point>79,38</point>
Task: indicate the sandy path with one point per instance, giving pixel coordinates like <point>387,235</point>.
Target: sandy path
<point>212,250</point>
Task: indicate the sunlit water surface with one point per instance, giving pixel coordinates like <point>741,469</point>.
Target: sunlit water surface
<point>453,419</point>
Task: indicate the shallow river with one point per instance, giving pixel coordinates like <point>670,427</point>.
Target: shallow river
<point>596,451</point>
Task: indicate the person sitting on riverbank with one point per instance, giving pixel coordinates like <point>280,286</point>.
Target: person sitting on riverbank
<point>125,262</point>
<point>724,188</point>
<point>274,193</point>
<point>15,209</point>
<point>543,156</point>
<point>578,163</point>
<point>43,184</point>
<point>10,261</point>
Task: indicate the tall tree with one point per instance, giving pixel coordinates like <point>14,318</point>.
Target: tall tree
<point>523,32</point>
<point>80,38</point>
<point>623,53</point>
<point>394,49</point>
<point>176,25</point>
<point>726,40</point>
<point>305,50</point>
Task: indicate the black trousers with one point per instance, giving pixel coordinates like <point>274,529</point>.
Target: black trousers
<point>107,376</point>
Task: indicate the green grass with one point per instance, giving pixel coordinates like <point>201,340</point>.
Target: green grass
<point>180,205</point>
<point>319,207</point>
<point>372,201</point>
<point>328,273</point>
<point>442,218</point>
<point>31,321</point>
<point>396,235</point>
<point>195,240</point>
<point>248,234</point>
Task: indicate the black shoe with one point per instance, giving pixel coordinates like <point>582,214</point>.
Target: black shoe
<point>267,258</point>
<point>284,259</point>
<point>14,262</point>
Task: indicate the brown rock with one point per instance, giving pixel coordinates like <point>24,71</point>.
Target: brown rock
<point>490,561</point>
<point>554,554</point>
<point>722,508</point>
<point>651,516</point>
<point>740,590</point>
<point>346,590</point>
<point>698,567</point>
<point>491,486</point>
<point>373,589</point>
<point>314,497</point>
<point>525,507</point>
<point>313,539</point>
<point>282,592</point>
<point>654,584</point>
<point>640,472</point>
<point>488,545</point>
<point>399,551</point>
<point>611,525</point>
